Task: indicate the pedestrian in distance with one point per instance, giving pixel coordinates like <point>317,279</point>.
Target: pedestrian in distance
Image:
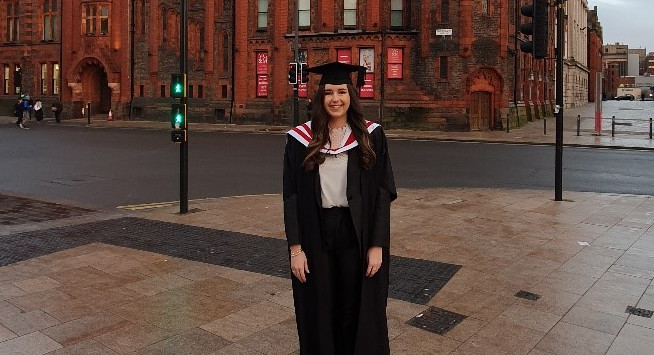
<point>38,110</point>
<point>57,107</point>
<point>18,112</point>
<point>27,109</point>
<point>338,188</point>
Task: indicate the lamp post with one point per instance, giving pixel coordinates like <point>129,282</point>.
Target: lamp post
<point>558,164</point>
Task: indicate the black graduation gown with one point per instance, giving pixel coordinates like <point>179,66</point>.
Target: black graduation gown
<point>369,194</point>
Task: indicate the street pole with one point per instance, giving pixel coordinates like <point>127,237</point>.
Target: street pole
<point>183,146</point>
<point>558,170</point>
<point>296,105</point>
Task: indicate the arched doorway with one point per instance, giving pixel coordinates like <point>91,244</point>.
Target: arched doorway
<point>484,97</point>
<point>93,87</point>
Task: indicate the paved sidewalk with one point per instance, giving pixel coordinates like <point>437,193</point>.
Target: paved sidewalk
<point>475,271</point>
<point>106,291</point>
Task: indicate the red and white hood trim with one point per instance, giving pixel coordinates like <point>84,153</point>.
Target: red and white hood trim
<point>304,135</point>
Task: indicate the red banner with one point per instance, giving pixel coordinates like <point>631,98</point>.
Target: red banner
<point>302,90</point>
<point>394,71</point>
<point>262,85</point>
<point>395,55</point>
<point>262,62</point>
<point>367,90</point>
<point>344,55</point>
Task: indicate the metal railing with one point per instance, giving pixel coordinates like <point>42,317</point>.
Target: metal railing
<point>626,122</point>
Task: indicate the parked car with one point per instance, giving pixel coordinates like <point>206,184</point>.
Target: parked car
<point>647,96</point>
<point>629,97</point>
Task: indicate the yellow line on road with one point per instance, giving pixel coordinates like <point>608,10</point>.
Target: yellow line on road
<point>146,206</point>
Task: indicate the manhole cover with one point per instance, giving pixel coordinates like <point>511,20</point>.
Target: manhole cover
<point>639,312</point>
<point>527,295</point>
<point>436,320</point>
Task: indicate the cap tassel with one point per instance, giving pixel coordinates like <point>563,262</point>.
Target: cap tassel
<point>361,76</point>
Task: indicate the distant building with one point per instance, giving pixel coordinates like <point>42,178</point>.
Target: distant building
<point>594,53</point>
<point>649,64</point>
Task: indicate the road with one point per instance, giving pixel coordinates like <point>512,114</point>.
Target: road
<point>105,168</point>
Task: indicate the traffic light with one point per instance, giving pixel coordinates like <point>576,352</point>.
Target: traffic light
<point>178,86</point>
<point>292,73</point>
<point>304,73</point>
<point>537,28</point>
<point>178,116</point>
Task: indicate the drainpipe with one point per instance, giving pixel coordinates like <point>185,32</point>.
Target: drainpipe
<point>383,75</point>
<point>131,59</point>
<point>231,106</point>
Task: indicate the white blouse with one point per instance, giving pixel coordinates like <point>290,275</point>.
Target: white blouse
<point>333,171</point>
<point>333,180</point>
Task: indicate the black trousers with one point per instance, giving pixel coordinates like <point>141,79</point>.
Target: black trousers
<point>344,261</point>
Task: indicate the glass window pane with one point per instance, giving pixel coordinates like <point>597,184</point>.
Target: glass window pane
<point>55,27</point>
<point>304,19</point>
<point>350,4</point>
<point>104,26</point>
<point>54,5</point>
<point>350,18</point>
<point>263,6</point>
<point>263,20</point>
<point>396,4</point>
<point>396,18</point>
<point>46,28</point>
<point>304,5</point>
<point>46,6</point>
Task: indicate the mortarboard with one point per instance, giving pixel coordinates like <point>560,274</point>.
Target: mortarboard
<point>337,73</point>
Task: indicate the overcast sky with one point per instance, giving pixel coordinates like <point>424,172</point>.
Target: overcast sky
<point>626,21</point>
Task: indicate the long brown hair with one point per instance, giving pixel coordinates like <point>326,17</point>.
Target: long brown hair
<point>320,129</point>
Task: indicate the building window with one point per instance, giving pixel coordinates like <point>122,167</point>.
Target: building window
<point>304,14</point>
<point>190,91</point>
<point>350,13</point>
<point>163,91</point>
<point>223,89</point>
<point>443,71</point>
<point>200,91</point>
<point>12,22</point>
<point>164,25</point>
<point>445,11</point>
<point>50,20</point>
<point>262,15</point>
<point>94,15</point>
<point>144,17</point>
<point>141,91</point>
<point>396,13</point>
<point>44,79</point>
<point>6,77</point>
<point>18,79</point>
<point>55,78</point>
<point>484,7</point>
<point>225,53</point>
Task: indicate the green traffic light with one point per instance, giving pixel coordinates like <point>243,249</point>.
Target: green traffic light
<point>179,118</point>
<point>178,88</point>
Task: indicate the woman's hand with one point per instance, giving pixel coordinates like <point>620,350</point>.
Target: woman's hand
<point>374,259</point>
<point>299,263</point>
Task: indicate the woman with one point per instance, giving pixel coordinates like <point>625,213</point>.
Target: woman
<point>338,187</point>
<point>38,110</point>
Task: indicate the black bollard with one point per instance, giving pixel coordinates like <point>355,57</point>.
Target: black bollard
<point>612,126</point>
<point>578,125</point>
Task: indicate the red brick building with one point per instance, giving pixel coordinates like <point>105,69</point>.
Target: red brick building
<point>433,63</point>
<point>594,52</point>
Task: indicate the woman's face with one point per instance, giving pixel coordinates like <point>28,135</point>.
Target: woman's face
<point>337,100</point>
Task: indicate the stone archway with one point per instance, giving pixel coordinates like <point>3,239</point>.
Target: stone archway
<point>91,85</point>
<point>484,97</point>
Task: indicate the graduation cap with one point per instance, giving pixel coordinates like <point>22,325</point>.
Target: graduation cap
<point>337,73</point>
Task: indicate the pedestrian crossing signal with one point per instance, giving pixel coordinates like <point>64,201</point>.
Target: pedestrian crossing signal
<point>292,73</point>
<point>178,86</point>
<point>304,73</point>
<point>178,116</point>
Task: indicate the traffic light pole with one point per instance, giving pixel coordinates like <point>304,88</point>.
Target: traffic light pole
<point>558,169</point>
<point>296,86</point>
<point>183,146</point>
